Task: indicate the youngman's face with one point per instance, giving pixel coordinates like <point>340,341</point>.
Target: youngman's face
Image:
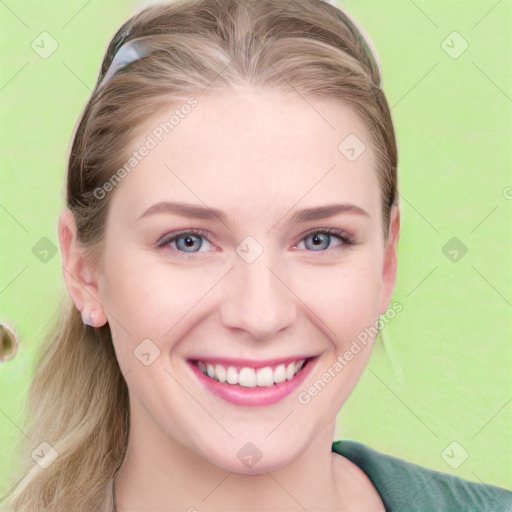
<point>272,266</point>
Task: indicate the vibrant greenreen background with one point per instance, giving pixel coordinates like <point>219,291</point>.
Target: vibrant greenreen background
<point>446,373</point>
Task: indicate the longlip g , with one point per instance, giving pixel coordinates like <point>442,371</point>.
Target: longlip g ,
<point>252,383</point>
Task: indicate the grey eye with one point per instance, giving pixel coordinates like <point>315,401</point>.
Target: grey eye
<point>190,241</point>
<point>320,241</point>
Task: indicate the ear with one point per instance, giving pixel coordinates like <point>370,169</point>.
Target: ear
<point>79,274</point>
<point>389,269</point>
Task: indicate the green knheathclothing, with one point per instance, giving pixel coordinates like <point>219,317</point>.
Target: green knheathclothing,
<point>407,487</point>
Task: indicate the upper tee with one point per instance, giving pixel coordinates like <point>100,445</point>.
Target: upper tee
<point>407,487</point>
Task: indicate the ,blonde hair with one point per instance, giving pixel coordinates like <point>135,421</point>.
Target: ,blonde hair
<point>78,400</point>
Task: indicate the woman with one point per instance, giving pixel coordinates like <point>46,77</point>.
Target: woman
<point>231,229</point>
